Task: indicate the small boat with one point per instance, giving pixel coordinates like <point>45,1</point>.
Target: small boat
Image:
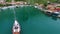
<point>16,28</point>
<point>56,14</point>
<point>51,13</point>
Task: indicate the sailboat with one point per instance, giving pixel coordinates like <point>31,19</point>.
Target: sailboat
<point>16,28</point>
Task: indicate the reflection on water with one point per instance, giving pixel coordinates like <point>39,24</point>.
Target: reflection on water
<point>54,18</point>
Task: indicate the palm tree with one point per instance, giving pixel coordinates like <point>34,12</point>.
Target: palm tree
<point>30,1</point>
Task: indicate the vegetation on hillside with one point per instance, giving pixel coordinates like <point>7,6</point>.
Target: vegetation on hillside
<point>35,1</point>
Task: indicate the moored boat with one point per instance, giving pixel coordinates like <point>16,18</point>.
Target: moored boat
<point>56,14</point>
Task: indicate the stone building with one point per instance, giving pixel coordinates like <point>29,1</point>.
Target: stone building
<point>2,1</point>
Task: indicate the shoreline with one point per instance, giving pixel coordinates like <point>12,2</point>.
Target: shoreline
<point>5,7</point>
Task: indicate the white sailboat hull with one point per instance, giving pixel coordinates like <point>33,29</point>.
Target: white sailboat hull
<point>16,28</point>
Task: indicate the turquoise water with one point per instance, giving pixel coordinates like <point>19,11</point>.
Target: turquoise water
<point>31,19</point>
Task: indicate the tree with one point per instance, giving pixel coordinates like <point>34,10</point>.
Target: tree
<point>8,0</point>
<point>58,1</point>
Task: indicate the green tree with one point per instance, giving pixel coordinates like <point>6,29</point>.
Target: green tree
<point>8,0</point>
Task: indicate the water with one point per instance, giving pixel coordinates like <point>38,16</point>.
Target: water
<point>31,19</point>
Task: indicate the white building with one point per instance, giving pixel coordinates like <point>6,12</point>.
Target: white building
<point>2,1</point>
